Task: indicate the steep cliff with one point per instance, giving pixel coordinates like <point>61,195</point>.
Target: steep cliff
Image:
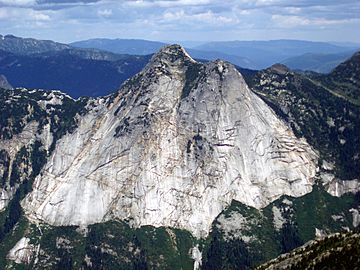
<point>173,147</point>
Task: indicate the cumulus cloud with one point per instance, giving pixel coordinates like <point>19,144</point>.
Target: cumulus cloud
<point>229,19</point>
<point>65,1</point>
<point>167,3</point>
<point>105,13</point>
<point>294,21</point>
<point>25,16</point>
<point>39,16</point>
<point>17,2</point>
<point>204,17</point>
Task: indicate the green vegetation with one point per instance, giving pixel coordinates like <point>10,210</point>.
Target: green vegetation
<point>232,254</point>
<point>317,210</point>
<point>254,239</point>
<point>12,222</point>
<point>16,110</point>
<point>338,251</point>
<point>249,240</point>
<point>345,79</point>
<point>110,245</point>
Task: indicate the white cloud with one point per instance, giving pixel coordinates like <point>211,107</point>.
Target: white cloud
<point>25,15</point>
<point>205,17</point>
<point>38,16</point>
<point>286,21</point>
<point>3,14</point>
<point>293,10</point>
<point>105,13</point>
<point>167,3</point>
<point>170,19</point>
<point>17,2</point>
<point>266,2</point>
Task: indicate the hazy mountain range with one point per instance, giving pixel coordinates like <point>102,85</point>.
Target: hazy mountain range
<point>319,56</point>
<point>64,70</point>
<point>32,63</point>
<point>102,65</point>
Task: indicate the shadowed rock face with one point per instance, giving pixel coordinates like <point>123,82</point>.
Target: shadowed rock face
<point>4,83</point>
<point>173,147</point>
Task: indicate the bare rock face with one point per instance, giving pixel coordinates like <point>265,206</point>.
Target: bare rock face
<point>177,144</point>
<point>22,252</point>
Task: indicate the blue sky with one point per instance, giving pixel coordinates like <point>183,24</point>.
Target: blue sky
<point>174,20</point>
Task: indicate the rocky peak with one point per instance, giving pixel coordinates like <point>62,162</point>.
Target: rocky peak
<point>174,50</point>
<point>279,69</point>
<point>172,55</point>
<point>171,62</point>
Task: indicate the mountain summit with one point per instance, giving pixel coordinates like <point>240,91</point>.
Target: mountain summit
<point>183,166</point>
<point>174,146</point>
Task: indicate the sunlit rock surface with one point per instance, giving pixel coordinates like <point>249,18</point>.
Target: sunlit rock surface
<point>22,252</point>
<point>177,144</point>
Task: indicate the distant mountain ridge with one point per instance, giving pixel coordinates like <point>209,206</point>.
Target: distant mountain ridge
<point>144,47</point>
<point>247,54</point>
<point>321,62</point>
<point>73,74</point>
<point>33,47</point>
<point>32,63</point>
<point>27,46</point>
<point>77,71</point>
<point>121,46</point>
<point>267,53</point>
